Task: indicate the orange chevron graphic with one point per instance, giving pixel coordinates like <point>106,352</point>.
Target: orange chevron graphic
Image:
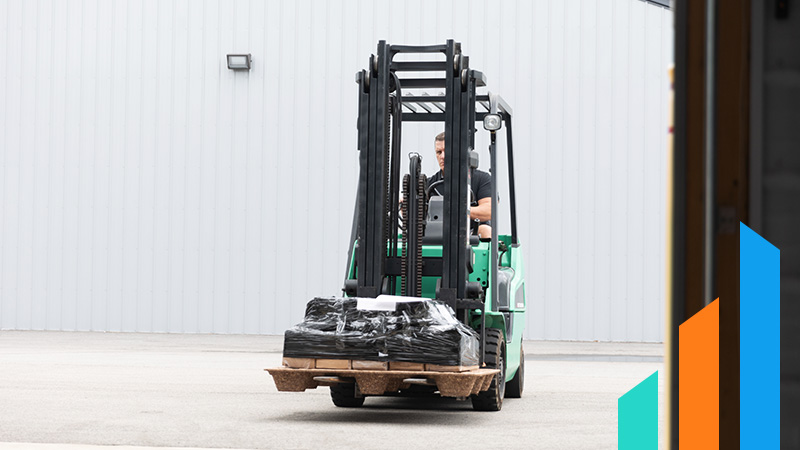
<point>698,378</point>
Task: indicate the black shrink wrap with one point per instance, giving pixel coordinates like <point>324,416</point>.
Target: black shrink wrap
<point>424,331</point>
<point>327,332</point>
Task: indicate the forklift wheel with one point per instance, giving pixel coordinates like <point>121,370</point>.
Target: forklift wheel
<point>515,386</point>
<point>344,395</point>
<point>492,399</point>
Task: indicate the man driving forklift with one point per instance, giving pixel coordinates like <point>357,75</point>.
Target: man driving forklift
<point>480,212</point>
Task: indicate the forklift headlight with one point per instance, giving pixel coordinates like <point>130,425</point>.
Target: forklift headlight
<point>492,122</point>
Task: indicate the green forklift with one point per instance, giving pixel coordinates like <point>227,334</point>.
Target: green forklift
<point>426,251</point>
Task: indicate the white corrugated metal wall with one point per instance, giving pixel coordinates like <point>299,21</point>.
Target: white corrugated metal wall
<point>146,187</point>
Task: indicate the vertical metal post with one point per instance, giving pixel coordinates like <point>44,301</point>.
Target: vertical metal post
<point>709,269</point>
<point>466,84</point>
<point>394,181</point>
<point>676,271</point>
<point>756,159</point>
<point>374,177</point>
<point>363,159</point>
<point>456,177</point>
<point>483,336</point>
<point>495,218</point>
<point>512,193</point>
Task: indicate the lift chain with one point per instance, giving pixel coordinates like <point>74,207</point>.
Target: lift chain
<point>421,211</point>
<point>387,226</point>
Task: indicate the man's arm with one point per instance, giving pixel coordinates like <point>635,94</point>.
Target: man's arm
<point>483,211</point>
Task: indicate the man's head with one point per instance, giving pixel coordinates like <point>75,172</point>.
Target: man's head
<point>438,145</point>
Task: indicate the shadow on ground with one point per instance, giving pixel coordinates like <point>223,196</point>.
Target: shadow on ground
<point>393,410</point>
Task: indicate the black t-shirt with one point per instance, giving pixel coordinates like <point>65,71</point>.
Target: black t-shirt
<point>481,188</point>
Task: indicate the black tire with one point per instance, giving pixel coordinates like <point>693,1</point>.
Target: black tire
<point>344,395</point>
<point>515,386</point>
<point>494,357</point>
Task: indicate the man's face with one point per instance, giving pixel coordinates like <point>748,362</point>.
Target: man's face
<point>439,147</point>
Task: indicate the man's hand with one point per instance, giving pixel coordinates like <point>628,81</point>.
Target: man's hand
<point>485,231</point>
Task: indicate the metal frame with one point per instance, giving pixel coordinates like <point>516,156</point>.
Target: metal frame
<point>373,208</point>
<point>756,160</point>
<point>710,156</point>
<point>676,277</point>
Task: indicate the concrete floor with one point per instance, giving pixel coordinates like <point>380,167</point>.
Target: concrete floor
<point>73,391</point>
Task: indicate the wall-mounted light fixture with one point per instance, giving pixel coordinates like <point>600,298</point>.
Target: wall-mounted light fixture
<point>239,62</point>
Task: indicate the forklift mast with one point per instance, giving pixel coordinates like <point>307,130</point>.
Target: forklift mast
<point>381,105</point>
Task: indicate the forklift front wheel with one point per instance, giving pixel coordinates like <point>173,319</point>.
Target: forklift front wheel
<point>344,395</point>
<point>494,357</point>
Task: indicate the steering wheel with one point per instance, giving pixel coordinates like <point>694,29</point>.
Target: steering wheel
<point>436,183</point>
<point>431,187</point>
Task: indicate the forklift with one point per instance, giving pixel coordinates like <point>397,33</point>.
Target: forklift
<point>426,249</point>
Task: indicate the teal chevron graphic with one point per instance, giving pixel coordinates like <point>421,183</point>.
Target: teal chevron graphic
<point>637,412</point>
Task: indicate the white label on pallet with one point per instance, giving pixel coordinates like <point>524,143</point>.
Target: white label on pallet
<point>386,302</point>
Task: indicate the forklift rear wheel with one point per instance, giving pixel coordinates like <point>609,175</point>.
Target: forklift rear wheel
<point>515,386</point>
<point>344,395</point>
<point>494,357</point>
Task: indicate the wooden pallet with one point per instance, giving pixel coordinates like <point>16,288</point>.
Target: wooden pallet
<point>344,364</point>
<point>377,382</point>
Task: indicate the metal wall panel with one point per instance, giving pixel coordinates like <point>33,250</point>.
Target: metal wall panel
<point>146,187</point>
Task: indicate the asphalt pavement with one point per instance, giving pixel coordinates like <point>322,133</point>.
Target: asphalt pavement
<point>84,390</point>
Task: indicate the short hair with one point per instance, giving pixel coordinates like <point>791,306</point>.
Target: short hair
<point>439,137</point>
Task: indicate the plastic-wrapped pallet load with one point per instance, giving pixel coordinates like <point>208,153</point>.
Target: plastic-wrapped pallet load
<point>384,329</point>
